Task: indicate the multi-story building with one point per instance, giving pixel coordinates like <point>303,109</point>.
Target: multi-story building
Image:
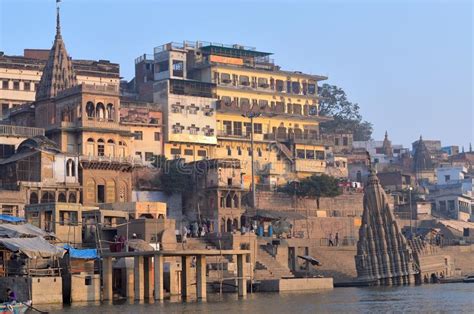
<point>240,80</point>
<point>145,123</point>
<point>20,76</point>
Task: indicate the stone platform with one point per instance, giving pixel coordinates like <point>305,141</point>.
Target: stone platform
<point>296,284</point>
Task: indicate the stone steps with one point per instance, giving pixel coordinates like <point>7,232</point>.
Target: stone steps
<point>269,268</point>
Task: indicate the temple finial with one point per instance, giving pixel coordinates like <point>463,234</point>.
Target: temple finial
<point>58,21</point>
<point>386,134</point>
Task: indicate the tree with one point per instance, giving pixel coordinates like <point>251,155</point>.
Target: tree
<point>175,176</point>
<point>346,114</point>
<point>314,186</point>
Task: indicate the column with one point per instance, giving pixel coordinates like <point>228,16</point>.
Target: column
<point>201,276</point>
<point>148,272</point>
<point>185,276</point>
<point>107,273</point>
<point>242,282</point>
<point>138,271</point>
<point>159,282</point>
<point>130,286</point>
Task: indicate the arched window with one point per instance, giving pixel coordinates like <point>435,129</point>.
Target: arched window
<point>34,198</point>
<point>228,201</point>
<point>100,111</point>
<point>110,112</point>
<point>90,110</point>
<point>90,146</point>
<point>72,198</point>
<point>100,147</point>
<point>70,168</point>
<point>47,197</point>
<point>236,201</point>
<point>62,197</point>
<point>110,148</point>
<point>229,225</point>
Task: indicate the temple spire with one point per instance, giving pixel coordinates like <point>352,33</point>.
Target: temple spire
<point>58,20</point>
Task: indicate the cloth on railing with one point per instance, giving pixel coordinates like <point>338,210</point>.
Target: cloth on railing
<point>11,218</point>
<point>32,247</point>
<point>81,253</point>
<point>16,231</point>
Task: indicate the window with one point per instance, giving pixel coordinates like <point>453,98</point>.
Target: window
<point>244,102</point>
<point>225,78</point>
<point>138,135</point>
<point>67,218</point>
<point>263,82</point>
<point>259,152</point>
<point>295,86</point>
<point>309,154</point>
<point>177,108</point>
<point>447,178</point>
<point>263,104</point>
<point>157,136</point>
<point>226,100</point>
<point>227,127</point>
<point>138,154</point>
<point>239,151</point>
<point>229,151</point>
<point>4,109</point>
<point>100,193</point>
<point>188,152</point>
<point>193,109</point>
<point>237,128</point>
<point>149,156</point>
<point>319,155</point>
<point>70,168</point>
<point>26,86</point>
<point>90,110</point>
<point>177,128</point>
<point>244,80</point>
<point>16,85</point>
<point>288,86</point>
<point>202,153</point>
<point>336,141</point>
<point>178,68</point>
<point>300,153</point>
<point>311,89</point>
<point>345,141</point>
<point>5,84</point>
<point>175,151</point>
<point>257,128</point>
<point>162,66</point>
<point>100,147</point>
<point>279,85</point>
<point>193,129</point>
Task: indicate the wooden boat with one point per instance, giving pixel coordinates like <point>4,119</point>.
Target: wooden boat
<point>469,279</point>
<point>14,307</point>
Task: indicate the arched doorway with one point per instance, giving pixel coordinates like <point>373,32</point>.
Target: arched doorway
<point>62,197</point>
<point>229,225</point>
<point>34,198</point>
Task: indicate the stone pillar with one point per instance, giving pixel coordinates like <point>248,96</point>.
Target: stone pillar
<point>159,282</point>
<point>107,273</point>
<point>148,272</point>
<point>185,276</point>
<point>130,292</point>
<point>201,276</point>
<point>242,281</point>
<point>138,271</point>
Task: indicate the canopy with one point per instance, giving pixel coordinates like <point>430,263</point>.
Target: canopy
<point>33,247</point>
<point>81,253</point>
<point>11,218</point>
<point>275,214</point>
<point>140,245</point>
<point>16,231</point>
<point>310,259</point>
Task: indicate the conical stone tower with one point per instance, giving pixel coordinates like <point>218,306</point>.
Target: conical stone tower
<point>383,255</point>
<point>58,73</point>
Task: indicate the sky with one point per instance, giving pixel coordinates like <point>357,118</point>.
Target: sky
<point>408,64</point>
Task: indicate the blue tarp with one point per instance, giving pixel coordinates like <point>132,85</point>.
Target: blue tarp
<point>11,218</point>
<point>81,253</point>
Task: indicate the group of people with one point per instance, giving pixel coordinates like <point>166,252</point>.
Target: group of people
<point>196,230</point>
<point>333,241</point>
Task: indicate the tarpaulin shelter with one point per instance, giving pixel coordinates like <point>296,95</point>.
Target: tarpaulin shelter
<point>33,247</point>
<point>21,230</point>
<point>9,218</point>
<point>81,253</point>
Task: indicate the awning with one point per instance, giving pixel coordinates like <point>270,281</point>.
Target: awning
<point>81,253</point>
<point>140,245</point>
<point>32,247</point>
<point>310,259</point>
<point>275,214</point>
<point>16,231</point>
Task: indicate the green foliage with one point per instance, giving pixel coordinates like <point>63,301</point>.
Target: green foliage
<point>314,186</point>
<point>347,117</point>
<point>174,177</point>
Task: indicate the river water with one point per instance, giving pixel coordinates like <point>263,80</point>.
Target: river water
<point>436,298</point>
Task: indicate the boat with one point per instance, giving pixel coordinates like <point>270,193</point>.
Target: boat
<point>469,279</point>
<point>14,307</point>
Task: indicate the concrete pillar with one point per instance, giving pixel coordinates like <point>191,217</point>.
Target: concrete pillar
<point>138,271</point>
<point>107,273</point>
<point>185,276</point>
<point>201,276</point>
<point>159,278</point>
<point>148,272</point>
<point>242,282</point>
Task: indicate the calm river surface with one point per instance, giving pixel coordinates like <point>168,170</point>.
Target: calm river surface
<point>440,298</point>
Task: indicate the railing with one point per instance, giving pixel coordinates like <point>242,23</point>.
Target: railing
<point>144,57</point>
<point>110,159</point>
<point>14,130</point>
<point>225,133</point>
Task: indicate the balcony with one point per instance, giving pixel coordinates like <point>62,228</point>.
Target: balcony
<point>20,131</point>
<point>308,165</point>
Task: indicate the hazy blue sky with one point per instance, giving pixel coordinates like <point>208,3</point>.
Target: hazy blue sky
<point>407,63</point>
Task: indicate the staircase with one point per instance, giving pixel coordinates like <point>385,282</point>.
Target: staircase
<point>267,267</point>
<point>285,150</point>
